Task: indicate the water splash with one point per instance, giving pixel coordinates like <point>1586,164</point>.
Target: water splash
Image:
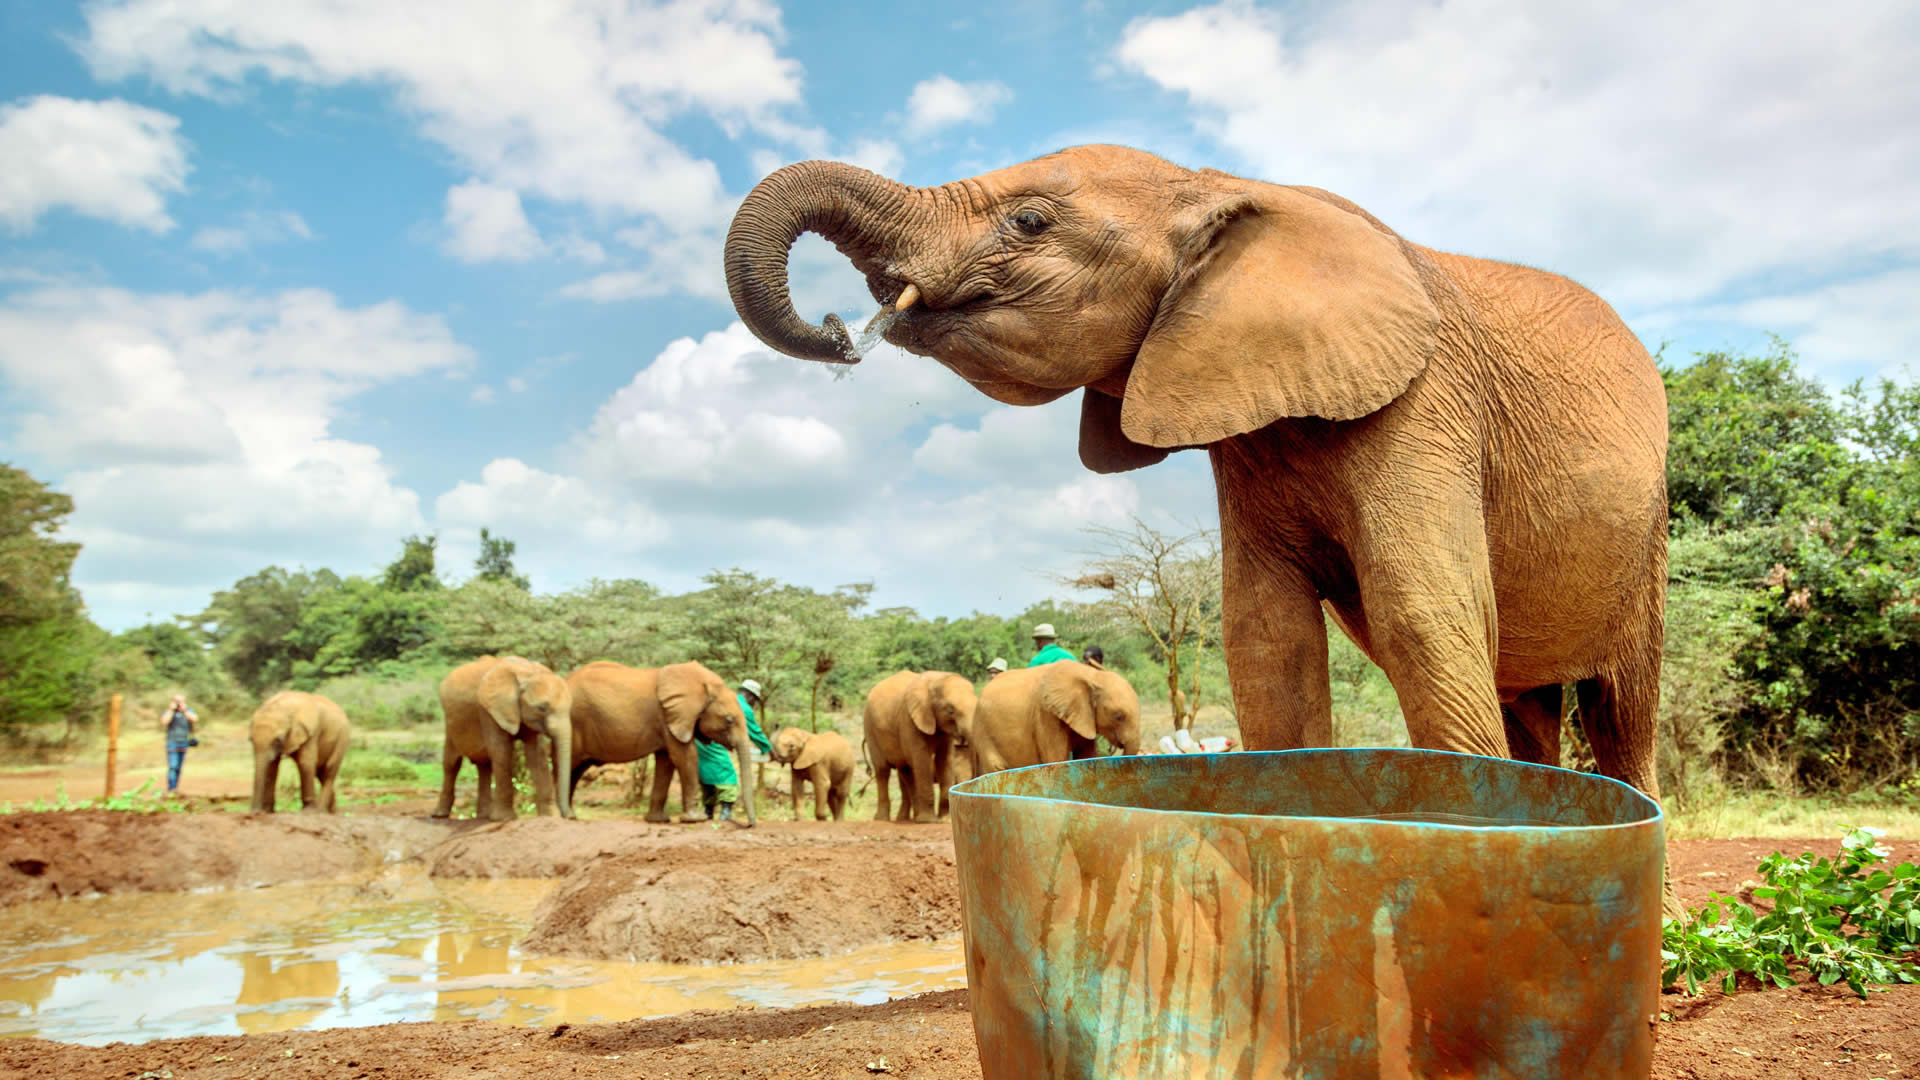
<point>876,330</point>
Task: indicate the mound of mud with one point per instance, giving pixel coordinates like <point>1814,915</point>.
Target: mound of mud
<point>539,847</point>
<point>743,902</point>
<point>79,852</point>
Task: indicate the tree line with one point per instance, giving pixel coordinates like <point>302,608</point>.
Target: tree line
<point>1793,611</point>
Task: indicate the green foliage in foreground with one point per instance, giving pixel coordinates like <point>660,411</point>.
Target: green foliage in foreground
<point>1845,920</point>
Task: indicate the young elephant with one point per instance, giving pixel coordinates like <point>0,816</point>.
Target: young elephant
<point>911,723</point>
<point>491,705</point>
<point>1053,713</point>
<point>826,759</point>
<point>312,731</point>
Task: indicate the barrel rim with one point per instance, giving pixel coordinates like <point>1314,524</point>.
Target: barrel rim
<point>960,795</point>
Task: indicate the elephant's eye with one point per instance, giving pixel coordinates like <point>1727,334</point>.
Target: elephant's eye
<point>1030,222</point>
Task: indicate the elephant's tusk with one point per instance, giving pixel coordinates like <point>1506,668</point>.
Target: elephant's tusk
<point>908,297</point>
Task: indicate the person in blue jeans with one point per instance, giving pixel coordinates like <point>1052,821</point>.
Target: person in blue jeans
<point>179,724</point>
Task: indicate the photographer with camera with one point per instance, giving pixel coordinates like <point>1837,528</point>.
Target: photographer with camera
<point>178,720</point>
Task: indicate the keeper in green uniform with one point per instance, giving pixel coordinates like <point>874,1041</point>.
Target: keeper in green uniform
<point>1047,648</point>
<point>719,780</point>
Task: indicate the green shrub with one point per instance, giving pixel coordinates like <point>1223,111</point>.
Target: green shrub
<point>1844,919</point>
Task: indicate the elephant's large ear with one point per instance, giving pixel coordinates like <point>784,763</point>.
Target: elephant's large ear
<point>1283,304</point>
<point>683,697</point>
<point>810,754</point>
<point>499,694</point>
<point>1066,691</point>
<point>1104,448</point>
<point>920,705</point>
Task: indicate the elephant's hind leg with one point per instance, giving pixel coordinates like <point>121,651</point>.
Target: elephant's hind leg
<point>450,760</point>
<point>1533,725</point>
<point>882,777</point>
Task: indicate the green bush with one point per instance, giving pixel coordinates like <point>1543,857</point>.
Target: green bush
<point>1843,919</point>
<point>380,767</point>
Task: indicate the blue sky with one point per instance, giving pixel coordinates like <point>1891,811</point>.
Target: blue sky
<point>281,283</point>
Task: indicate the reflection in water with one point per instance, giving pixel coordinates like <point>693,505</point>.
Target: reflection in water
<point>399,946</point>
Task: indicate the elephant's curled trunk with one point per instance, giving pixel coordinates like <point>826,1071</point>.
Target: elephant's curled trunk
<point>844,204</point>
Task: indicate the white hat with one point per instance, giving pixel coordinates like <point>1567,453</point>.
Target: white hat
<point>998,664</point>
<point>1044,630</point>
<point>753,688</point>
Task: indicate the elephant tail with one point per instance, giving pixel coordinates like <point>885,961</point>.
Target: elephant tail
<point>868,762</point>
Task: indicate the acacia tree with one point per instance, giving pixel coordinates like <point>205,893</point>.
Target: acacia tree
<point>1167,585</point>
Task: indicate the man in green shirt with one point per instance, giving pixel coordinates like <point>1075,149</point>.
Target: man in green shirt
<point>719,780</point>
<point>1047,649</point>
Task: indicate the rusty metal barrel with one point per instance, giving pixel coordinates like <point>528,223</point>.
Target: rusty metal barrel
<point>1310,914</point>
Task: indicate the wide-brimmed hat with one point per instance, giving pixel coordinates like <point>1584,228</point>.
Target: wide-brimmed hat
<point>998,665</point>
<point>1044,630</point>
<point>753,688</point>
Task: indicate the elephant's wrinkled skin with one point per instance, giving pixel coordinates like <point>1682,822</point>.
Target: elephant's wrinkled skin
<point>824,759</point>
<point>1055,712</point>
<point>624,714</point>
<point>911,723</point>
<point>1462,461</point>
<point>491,705</point>
<point>311,730</point>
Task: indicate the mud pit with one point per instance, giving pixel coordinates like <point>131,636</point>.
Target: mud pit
<point>1804,1032</point>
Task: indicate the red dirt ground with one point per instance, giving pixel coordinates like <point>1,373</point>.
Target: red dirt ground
<point>1804,1032</point>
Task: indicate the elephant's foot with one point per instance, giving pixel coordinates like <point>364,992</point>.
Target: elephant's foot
<point>661,818</point>
<point>442,815</point>
<point>692,819</point>
<point>499,815</point>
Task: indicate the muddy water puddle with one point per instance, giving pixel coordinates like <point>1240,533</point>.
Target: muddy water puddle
<point>399,946</point>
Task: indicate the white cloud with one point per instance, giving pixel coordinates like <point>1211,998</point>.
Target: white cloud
<point>111,160</point>
<point>485,222</point>
<point>943,102</point>
<point>481,394</point>
<point>882,156</point>
<point>564,102</point>
<point>195,431</point>
<point>252,229</point>
<point>517,384</point>
<point>1868,326</point>
<point>1660,158</point>
<point>550,517</point>
<point>721,453</point>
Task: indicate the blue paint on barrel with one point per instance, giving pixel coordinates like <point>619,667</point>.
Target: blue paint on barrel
<point>1310,914</point>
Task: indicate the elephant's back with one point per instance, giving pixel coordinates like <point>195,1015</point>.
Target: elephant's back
<point>612,704</point>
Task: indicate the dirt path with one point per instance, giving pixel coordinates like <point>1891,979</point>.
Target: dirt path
<point>1804,1032</point>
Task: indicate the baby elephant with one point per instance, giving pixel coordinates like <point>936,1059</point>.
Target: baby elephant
<point>826,759</point>
<point>311,730</point>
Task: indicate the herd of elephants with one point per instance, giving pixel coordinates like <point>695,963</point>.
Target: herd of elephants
<point>1460,462</point>
<point>931,727</point>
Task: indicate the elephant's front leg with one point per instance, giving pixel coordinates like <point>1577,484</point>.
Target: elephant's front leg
<point>794,783</point>
<point>306,761</point>
<point>483,794</point>
<point>1275,639</point>
<point>1430,623</point>
<point>689,766</point>
<point>501,747</point>
<point>923,776</point>
<point>942,773</point>
<point>818,775</point>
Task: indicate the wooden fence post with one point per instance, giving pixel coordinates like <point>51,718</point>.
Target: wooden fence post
<point>113,740</point>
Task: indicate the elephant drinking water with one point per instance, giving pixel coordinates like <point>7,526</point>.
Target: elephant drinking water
<point>1461,461</point>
